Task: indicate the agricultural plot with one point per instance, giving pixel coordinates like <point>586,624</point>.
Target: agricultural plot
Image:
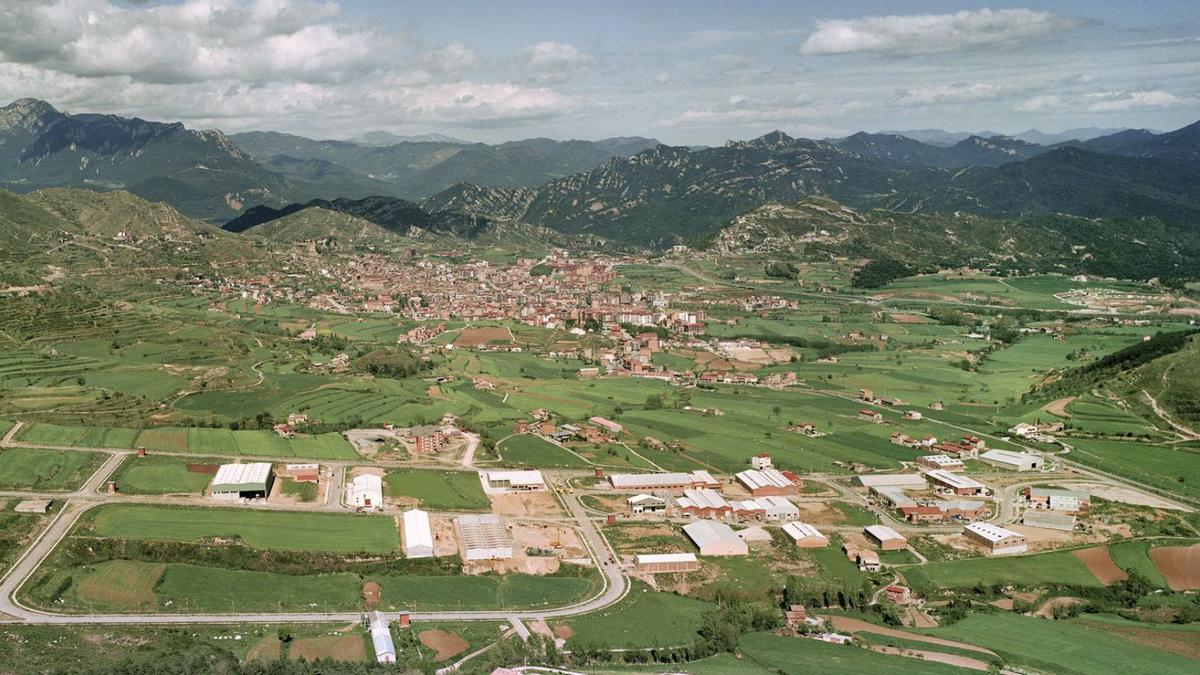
<point>85,437</point>
<point>164,475</point>
<point>1162,466</point>
<point>269,530</point>
<point>645,618</point>
<point>778,654</point>
<point>50,470</point>
<point>15,531</point>
<point>529,450</point>
<point>441,490</point>
<point>1029,571</point>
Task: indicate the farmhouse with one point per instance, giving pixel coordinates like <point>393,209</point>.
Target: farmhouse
<point>956,483</point>
<point>426,439</point>
<point>639,504</point>
<point>1071,501</point>
<point>606,424</point>
<point>703,503</point>
<point>716,539</point>
<point>870,416</point>
<point>904,480</point>
<point>242,481</point>
<point>662,481</point>
<point>1049,520</point>
<point>365,491</point>
<point>761,462</point>
<point>1013,461</point>
<point>381,638</point>
<point>767,482</point>
<point>995,539</point>
<point>657,563</point>
<point>418,535</point>
<point>885,537</point>
<point>868,560</point>
<point>901,595</point>
<point>805,535</point>
<point>944,462</point>
<point>515,481</point>
<point>483,537</point>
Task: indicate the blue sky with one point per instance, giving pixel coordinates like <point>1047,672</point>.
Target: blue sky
<point>683,72</point>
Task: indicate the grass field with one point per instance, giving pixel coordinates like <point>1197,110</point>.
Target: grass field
<point>273,530</point>
<point>1059,567</point>
<point>162,475</point>
<point>50,470</point>
<point>792,655</point>
<point>529,450</point>
<point>207,441</point>
<point>448,490</point>
<point>645,618</point>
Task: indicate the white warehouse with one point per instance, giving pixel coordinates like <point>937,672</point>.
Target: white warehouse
<point>418,534</point>
<point>484,537</point>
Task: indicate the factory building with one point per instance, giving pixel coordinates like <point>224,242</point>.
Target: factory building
<point>715,539</point>
<point>483,537</point>
<point>805,535</point>
<point>515,481</point>
<point>242,481</point>
<point>365,491</point>
<point>703,503</point>
<point>957,483</point>
<point>659,563</point>
<point>1013,461</point>
<point>418,534</point>
<point>885,537</point>
<point>663,481</point>
<point>996,539</point>
<point>768,482</point>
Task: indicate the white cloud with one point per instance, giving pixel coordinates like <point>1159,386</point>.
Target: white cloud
<point>961,92</point>
<point>1122,101</point>
<point>930,33</point>
<point>739,110</point>
<point>554,62</point>
<point>1043,103</point>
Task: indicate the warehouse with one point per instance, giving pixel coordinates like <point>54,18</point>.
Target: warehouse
<point>1070,501</point>
<point>658,563</point>
<point>514,481</point>
<point>1049,520</point>
<point>703,503</point>
<point>381,638</point>
<point>904,480</point>
<point>1013,461</point>
<point>242,481</point>
<point>713,538</point>
<point>418,535</point>
<point>995,539</point>
<point>365,491</point>
<point>483,537</point>
<point>748,510</point>
<point>778,509</point>
<point>767,482</point>
<point>962,508</point>
<point>640,504</point>
<point>893,497</point>
<point>662,481</point>
<point>956,483</point>
<point>944,462</point>
<point>606,424</point>
<point>805,535</point>
<point>885,537</point>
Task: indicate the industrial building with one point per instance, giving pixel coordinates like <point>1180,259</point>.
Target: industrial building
<point>483,537</point>
<point>995,539</point>
<point>242,481</point>
<point>715,539</point>
<point>905,480</point>
<point>1070,501</point>
<point>944,462</point>
<point>514,481</point>
<point>956,483</point>
<point>805,535</point>
<point>642,504</point>
<point>748,510</point>
<point>381,638</point>
<point>365,491</point>
<point>1013,461</point>
<point>663,481</point>
<point>885,537</point>
<point>778,509</point>
<point>1049,520</point>
<point>418,534</point>
<point>703,503</point>
<point>767,482</point>
<point>658,563</point>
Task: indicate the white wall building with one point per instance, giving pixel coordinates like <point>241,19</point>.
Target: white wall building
<point>1013,461</point>
<point>365,491</point>
<point>484,537</point>
<point>418,534</point>
<point>715,538</point>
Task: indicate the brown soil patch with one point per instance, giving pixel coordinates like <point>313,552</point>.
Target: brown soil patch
<point>268,649</point>
<point>850,625</point>
<point>1179,565</point>
<point>338,648</point>
<point>203,468</point>
<point>1006,604</point>
<point>478,337</point>
<point>1101,565</point>
<point>444,643</point>
<point>1059,407</point>
<point>907,318</point>
<point>372,592</point>
<point>563,632</point>
<point>937,657</point>
<point>1183,643</point>
<point>435,392</point>
<point>526,504</point>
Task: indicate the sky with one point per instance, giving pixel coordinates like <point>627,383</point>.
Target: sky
<point>695,72</point>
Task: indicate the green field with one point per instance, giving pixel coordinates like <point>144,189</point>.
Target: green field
<point>273,530</point>
<point>447,490</point>
<point>645,618</point>
<point>162,475</point>
<point>1059,567</point>
<point>194,440</point>
<point>529,450</point>
<point>50,470</point>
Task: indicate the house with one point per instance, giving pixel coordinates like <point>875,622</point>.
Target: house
<point>1070,501</point>
<point>899,438</point>
<point>866,395</point>
<point>381,638</point>
<point>662,481</point>
<point>589,372</point>
<point>703,503</point>
<point>761,462</point>
<point>297,419</point>
<point>901,595</point>
<point>606,424</point>
<point>796,616</point>
<point>870,416</point>
<point>944,462</point>
<point>997,540</point>
<point>643,503</point>
<point>1013,461</point>
<point>885,537</point>
<point>805,535</point>
<point>778,509</point>
<point>766,482</point>
<point>418,534</point>
<point>365,491</point>
<point>868,560</point>
<point>956,483</point>
<point>426,438</point>
<point>284,430</point>
<point>514,481</point>
<point>715,539</point>
<point>659,563</point>
<point>913,415</point>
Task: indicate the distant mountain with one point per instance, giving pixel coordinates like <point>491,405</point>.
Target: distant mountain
<point>948,138</point>
<point>971,151</point>
<point>1181,146</point>
<point>1082,134</point>
<point>396,216</point>
<point>108,214</point>
<point>387,138</point>
<point>422,168</point>
<point>939,137</point>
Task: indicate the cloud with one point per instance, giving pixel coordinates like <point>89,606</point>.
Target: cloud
<point>739,110</point>
<point>1043,103</point>
<point>961,92</point>
<point>931,33</point>
<point>553,62</point>
<point>1122,101</point>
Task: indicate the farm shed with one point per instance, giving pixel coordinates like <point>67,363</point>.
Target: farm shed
<point>1071,501</point>
<point>484,537</point>
<point>381,638</point>
<point>523,481</point>
<point>885,537</point>
<point>778,509</point>
<point>639,504</point>
<point>365,491</point>
<point>1013,461</point>
<point>242,481</point>
<point>905,480</point>
<point>1049,520</point>
<point>995,539</point>
<point>655,563</point>
<point>418,535</point>
<point>713,538</point>
<point>805,535</point>
<point>606,424</point>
